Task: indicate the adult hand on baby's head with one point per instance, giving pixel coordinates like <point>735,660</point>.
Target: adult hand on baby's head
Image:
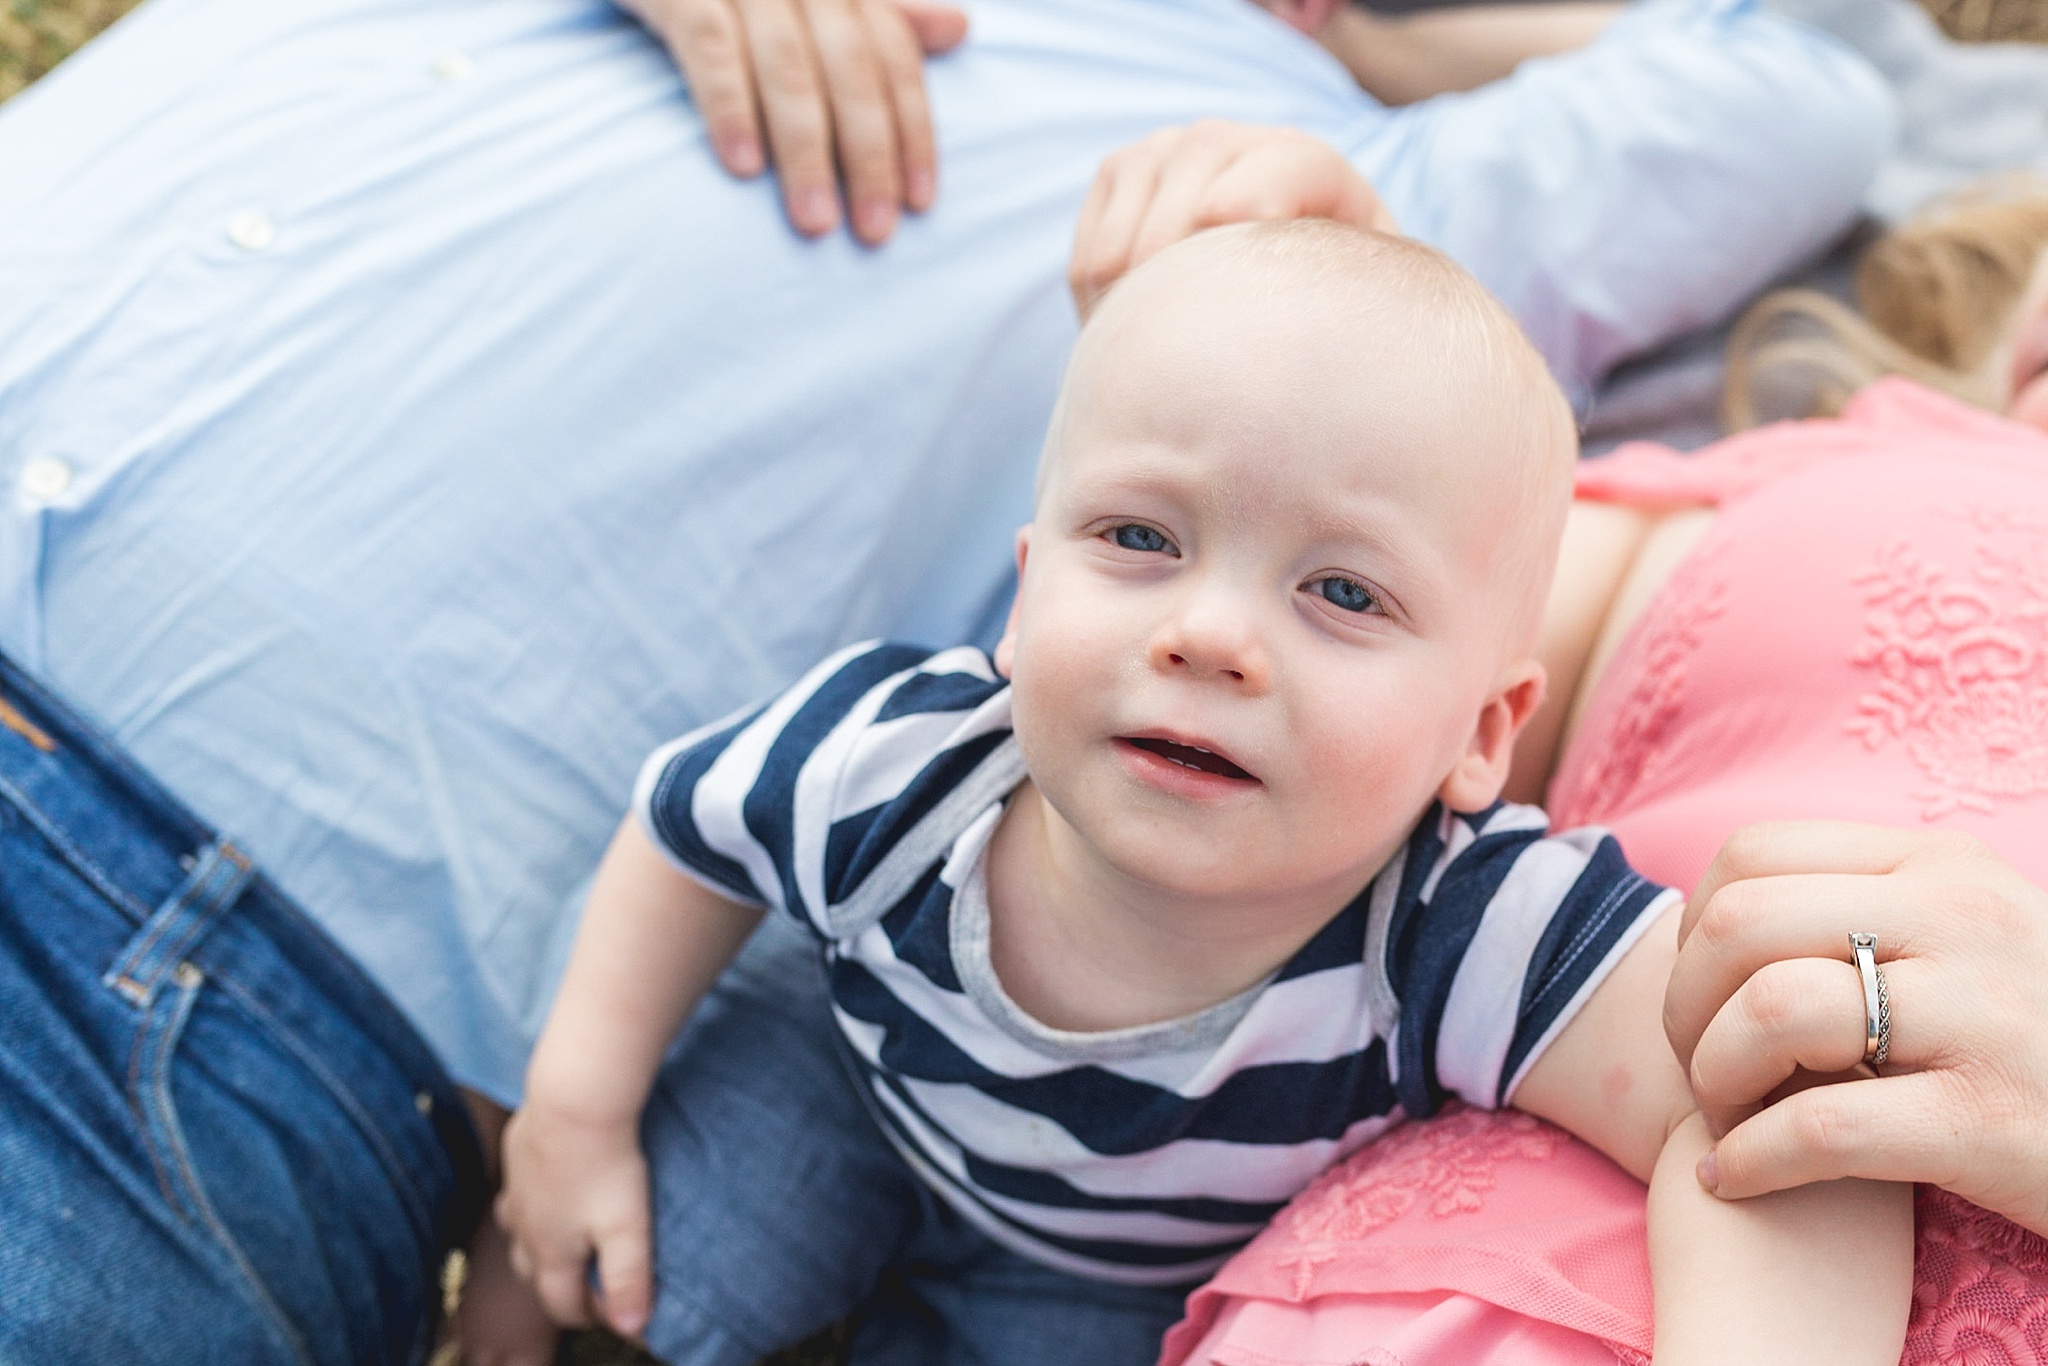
<point>828,80</point>
<point>1764,987</point>
<point>1178,181</point>
<point>574,1190</point>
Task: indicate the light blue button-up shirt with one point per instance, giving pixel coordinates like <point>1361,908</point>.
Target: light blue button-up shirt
<point>404,425</point>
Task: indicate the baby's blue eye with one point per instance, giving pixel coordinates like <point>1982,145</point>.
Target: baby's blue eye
<point>1348,594</point>
<point>1133,536</point>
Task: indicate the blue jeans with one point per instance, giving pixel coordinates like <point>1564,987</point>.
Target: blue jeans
<point>780,1208</point>
<point>219,1142</point>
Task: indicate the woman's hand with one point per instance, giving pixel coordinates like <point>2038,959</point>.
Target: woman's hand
<point>828,81</point>
<point>575,1189</point>
<point>1179,181</point>
<point>1764,988</point>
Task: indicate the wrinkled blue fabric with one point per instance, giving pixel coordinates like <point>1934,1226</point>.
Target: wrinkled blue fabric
<point>404,424</point>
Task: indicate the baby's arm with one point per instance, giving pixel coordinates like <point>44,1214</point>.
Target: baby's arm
<point>651,943</point>
<point>1820,1274</point>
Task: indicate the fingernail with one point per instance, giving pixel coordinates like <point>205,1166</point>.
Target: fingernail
<point>919,188</point>
<point>629,1323</point>
<point>876,220</point>
<point>741,155</point>
<point>1709,1171</point>
<point>817,210</point>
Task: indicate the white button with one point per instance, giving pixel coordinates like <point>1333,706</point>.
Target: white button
<point>45,478</point>
<point>454,66</point>
<point>252,231</point>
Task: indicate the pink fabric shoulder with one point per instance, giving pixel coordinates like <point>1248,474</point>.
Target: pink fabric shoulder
<point>1862,635</point>
<point>1889,415</point>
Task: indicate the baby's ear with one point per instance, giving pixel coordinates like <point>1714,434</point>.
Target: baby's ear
<point>1481,772</point>
<point>1006,648</point>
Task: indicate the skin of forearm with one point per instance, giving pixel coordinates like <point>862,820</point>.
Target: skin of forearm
<point>651,943</point>
<point>1402,59</point>
<point>1814,1276</point>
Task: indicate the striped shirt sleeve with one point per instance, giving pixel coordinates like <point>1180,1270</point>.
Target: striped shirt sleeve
<point>768,806</point>
<point>1499,933</point>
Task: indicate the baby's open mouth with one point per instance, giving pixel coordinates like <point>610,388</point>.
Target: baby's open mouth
<point>1188,756</point>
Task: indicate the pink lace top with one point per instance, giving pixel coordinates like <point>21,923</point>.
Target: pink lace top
<point>1862,635</point>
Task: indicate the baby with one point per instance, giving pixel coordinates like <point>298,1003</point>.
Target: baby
<point>1203,880</point>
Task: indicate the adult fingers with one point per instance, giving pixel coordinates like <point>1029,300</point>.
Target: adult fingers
<point>1759,920</point>
<point>937,28</point>
<point>1292,175</point>
<point>1111,216</point>
<point>706,39</point>
<point>625,1272</point>
<point>1903,1128</point>
<point>1776,848</point>
<point>794,107</point>
<point>897,46</point>
<point>1799,1013</point>
<point>1201,155</point>
<point>863,116</point>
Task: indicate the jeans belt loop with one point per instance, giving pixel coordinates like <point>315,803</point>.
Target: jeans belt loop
<point>158,950</point>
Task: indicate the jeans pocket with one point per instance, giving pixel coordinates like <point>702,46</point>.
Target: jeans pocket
<point>153,975</point>
<point>161,1028</point>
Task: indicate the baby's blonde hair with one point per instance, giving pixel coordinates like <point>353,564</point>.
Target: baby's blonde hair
<point>1937,294</point>
<point>1490,349</point>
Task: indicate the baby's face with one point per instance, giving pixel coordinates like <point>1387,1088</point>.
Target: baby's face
<point>1261,607</point>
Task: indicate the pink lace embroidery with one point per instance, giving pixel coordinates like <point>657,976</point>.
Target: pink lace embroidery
<point>1980,1288</point>
<point>1631,750</point>
<point>1962,664</point>
<point>1447,1163</point>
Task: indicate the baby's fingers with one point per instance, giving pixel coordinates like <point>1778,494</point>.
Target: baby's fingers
<point>625,1273</point>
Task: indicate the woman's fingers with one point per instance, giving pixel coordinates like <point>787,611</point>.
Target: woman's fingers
<point>863,115</point>
<point>1778,848</point>
<point>901,47</point>
<point>706,39</point>
<point>794,108</point>
<point>1761,920</point>
<point>1798,1014</point>
<point>833,88</point>
<point>1903,1128</point>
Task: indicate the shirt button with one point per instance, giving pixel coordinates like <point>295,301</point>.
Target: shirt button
<point>45,478</point>
<point>453,66</point>
<point>252,231</point>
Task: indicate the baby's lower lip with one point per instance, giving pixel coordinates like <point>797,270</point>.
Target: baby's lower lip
<point>1205,763</point>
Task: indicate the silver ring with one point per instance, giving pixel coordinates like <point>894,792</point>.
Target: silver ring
<point>1877,1000</point>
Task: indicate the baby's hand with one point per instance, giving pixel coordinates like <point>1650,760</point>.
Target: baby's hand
<point>575,1188</point>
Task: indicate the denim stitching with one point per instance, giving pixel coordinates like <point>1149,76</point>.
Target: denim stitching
<point>196,906</point>
<point>76,858</point>
<point>401,1178</point>
<point>166,1026</point>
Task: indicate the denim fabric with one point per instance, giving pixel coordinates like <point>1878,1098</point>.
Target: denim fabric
<point>779,1208</point>
<point>218,1141</point>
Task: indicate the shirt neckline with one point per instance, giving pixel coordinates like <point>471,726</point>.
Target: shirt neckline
<point>968,942</point>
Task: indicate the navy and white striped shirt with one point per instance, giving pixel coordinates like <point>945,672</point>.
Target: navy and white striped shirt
<point>861,801</point>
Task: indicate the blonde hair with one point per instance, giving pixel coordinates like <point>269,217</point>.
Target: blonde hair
<point>1937,294</point>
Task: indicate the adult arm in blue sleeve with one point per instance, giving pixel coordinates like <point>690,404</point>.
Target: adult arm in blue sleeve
<point>1619,195</point>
